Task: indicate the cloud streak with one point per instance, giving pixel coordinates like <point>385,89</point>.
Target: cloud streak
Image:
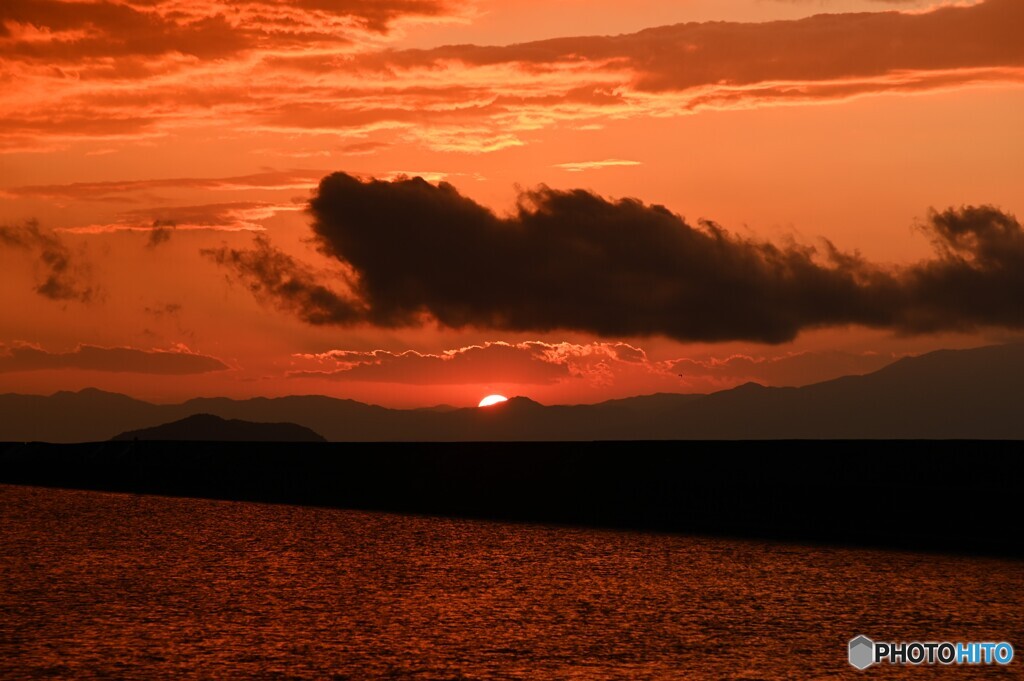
<point>237,216</point>
<point>572,260</point>
<point>580,166</point>
<point>523,363</point>
<point>73,31</point>
<point>823,47</point>
<point>125,189</point>
<point>534,363</point>
<point>537,363</point>
<point>24,357</point>
<point>797,369</point>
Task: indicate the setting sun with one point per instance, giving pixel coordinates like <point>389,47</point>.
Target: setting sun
<point>492,399</point>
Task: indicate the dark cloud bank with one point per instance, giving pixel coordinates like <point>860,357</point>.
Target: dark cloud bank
<point>573,260</point>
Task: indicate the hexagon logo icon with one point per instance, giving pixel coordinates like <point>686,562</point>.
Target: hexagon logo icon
<point>862,652</point>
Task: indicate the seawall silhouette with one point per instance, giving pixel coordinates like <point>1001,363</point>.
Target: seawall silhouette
<point>941,495</point>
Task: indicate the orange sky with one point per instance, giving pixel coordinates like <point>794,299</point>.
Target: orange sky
<point>144,144</point>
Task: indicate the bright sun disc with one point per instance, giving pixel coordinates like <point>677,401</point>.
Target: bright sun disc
<point>492,399</point>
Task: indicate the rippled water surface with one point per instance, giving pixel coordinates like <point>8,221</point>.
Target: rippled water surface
<point>99,585</point>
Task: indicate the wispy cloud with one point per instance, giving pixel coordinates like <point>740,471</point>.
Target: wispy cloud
<point>580,166</point>
<point>177,361</point>
<point>525,363</point>
<point>105,191</point>
<point>61,276</point>
<point>607,364</point>
<point>241,216</point>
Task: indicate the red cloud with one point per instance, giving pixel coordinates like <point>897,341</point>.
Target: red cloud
<point>816,49</point>
<point>538,363</point>
<point>786,370</point>
<point>55,31</point>
<point>528,363</point>
<point>23,357</point>
<point>233,64</point>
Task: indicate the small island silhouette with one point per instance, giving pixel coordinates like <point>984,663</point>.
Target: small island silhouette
<point>210,428</point>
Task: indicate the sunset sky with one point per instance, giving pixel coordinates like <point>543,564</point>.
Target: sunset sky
<point>202,197</point>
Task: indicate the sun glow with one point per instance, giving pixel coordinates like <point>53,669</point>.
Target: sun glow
<point>492,399</point>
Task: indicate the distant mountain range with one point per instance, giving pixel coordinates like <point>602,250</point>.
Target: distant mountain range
<point>969,394</point>
<point>210,428</point>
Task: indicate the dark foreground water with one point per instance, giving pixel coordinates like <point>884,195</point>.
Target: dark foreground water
<point>96,585</point>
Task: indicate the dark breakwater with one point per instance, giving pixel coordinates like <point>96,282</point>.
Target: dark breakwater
<point>952,496</point>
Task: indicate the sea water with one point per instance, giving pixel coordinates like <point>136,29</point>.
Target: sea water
<point>96,585</point>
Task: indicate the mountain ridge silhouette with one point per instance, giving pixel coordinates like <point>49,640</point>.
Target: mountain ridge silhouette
<point>946,394</point>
